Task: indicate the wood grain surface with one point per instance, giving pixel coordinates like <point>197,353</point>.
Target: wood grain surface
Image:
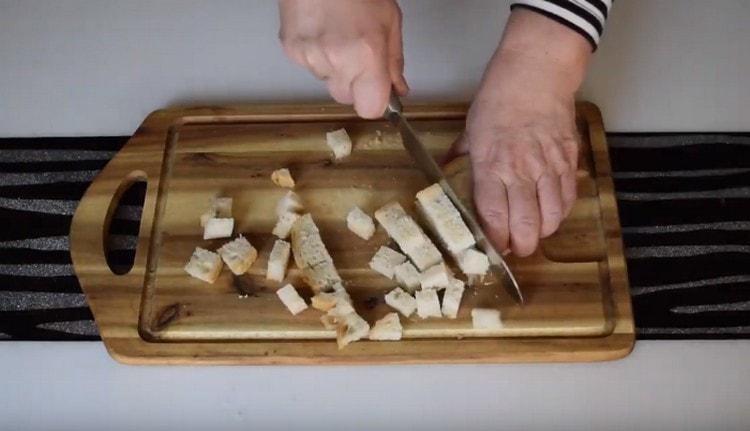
<point>577,308</point>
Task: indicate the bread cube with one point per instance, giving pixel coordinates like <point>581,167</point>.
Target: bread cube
<point>407,276</point>
<point>321,277</point>
<point>452,298</point>
<point>428,303</point>
<point>385,260</point>
<point>360,223</point>
<point>435,277</point>
<point>340,143</point>
<point>218,228</point>
<point>278,261</point>
<point>291,299</point>
<point>486,318</point>
<point>444,219</point>
<point>387,329</point>
<point>204,265</point>
<point>218,208</point>
<point>350,328</point>
<point>282,178</point>
<point>473,262</point>
<point>401,301</point>
<point>238,255</point>
<point>284,225</point>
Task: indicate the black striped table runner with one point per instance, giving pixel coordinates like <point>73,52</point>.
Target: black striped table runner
<point>684,203</point>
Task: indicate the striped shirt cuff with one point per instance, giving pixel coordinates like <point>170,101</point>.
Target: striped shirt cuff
<point>587,17</point>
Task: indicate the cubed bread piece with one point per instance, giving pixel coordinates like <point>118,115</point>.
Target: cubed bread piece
<point>289,203</point>
<point>282,178</point>
<point>385,260</point>
<point>350,328</point>
<point>218,208</point>
<point>387,329</point>
<point>428,304</point>
<point>204,265</point>
<point>452,298</point>
<point>435,277</point>
<point>401,301</point>
<point>278,261</point>
<point>360,223</point>
<point>425,256</point>
<point>340,143</point>
<point>407,276</point>
<point>238,254</point>
<point>321,277</point>
<point>444,219</point>
<point>291,299</point>
<point>342,308</point>
<point>328,321</point>
<point>400,226</point>
<point>284,225</point>
<point>309,250</point>
<point>473,262</point>
<point>486,318</point>
<point>325,301</point>
<point>218,228</point>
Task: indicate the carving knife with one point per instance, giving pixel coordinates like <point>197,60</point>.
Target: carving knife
<point>434,174</point>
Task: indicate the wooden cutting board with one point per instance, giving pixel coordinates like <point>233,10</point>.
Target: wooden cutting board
<point>578,306</point>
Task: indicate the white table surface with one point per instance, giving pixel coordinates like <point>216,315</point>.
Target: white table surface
<point>83,67</point>
<point>687,385</point>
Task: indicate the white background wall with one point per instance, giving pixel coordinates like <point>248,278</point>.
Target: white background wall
<point>97,67</point>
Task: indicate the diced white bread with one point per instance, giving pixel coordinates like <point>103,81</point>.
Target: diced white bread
<point>444,218</point>
<point>473,262</point>
<point>351,327</point>
<point>218,228</point>
<point>428,304</point>
<point>407,276</point>
<point>321,277</point>
<point>278,261</point>
<point>238,254</point>
<point>435,277</point>
<point>452,298</point>
<point>329,322</point>
<point>401,301</point>
<point>218,208</point>
<point>309,250</point>
<point>400,226</point>
<point>291,299</point>
<point>284,224</point>
<point>325,301</point>
<point>204,265</point>
<point>425,256</point>
<point>385,260</point>
<point>282,178</point>
<point>387,329</point>
<point>360,223</point>
<point>408,235</point>
<point>342,308</point>
<point>289,203</point>
<point>486,318</point>
<point>339,142</point>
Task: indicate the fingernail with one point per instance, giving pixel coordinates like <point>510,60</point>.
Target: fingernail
<point>506,252</point>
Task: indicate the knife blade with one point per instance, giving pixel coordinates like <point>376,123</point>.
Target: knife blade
<point>434,174</point>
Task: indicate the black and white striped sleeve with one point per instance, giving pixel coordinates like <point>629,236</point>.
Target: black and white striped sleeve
<point>586,17</point>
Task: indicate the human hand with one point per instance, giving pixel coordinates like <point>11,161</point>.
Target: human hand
<point>521,133</point>
<point>352,45</point>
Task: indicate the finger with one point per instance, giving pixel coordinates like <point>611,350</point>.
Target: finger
<point>568,191</point>
<point>550,203</point>
<point>317,62</point>
<point>396,58</point>
<point>340,89</point>
<point>459,147</point>
<point>371,89</point>
<point>491,198</point>
<point>555,155</point>
<point>523,209</point>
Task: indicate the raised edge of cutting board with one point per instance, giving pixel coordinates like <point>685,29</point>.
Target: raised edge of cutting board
<point>116,299</point>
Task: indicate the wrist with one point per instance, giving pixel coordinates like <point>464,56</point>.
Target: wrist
<point>543,50</point>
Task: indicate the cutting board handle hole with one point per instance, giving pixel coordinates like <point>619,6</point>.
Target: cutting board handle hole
<point>123,223</point>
